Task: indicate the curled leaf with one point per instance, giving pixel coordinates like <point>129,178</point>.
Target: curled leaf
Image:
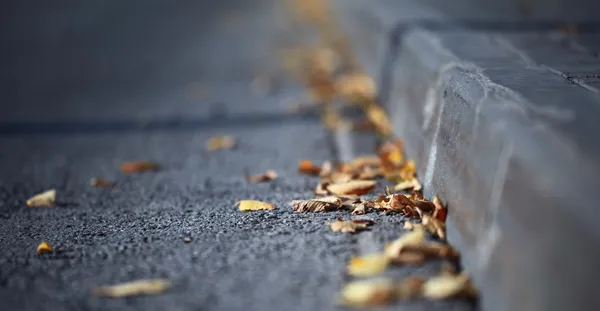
<point>433,249</point>
<point>377,292</point>
<point>135,288</point>
<point>407,257</point>
<point>434,226</point>
<point>253,205</point>
<point>138,167</point>
<point>391,153</point>
<point>356,187</point>
<point>309,168</point>
<point>369,265</point>
<point>410,184</point>
<point>220,143</point>
<point>44,199</point>
<point>440,213</point>
<point>100,183</point>
<point>359,209</point>
<point>321,188</point>
<point>351,226</point>
<point>415,237</point>
<point>448,286</point>
<point>44,248</point>
<point>267,176</point>
<point>324,204</point>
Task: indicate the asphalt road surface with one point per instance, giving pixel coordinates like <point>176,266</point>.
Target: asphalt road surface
<point>89,86</point>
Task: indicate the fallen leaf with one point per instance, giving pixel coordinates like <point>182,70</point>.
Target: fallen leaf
<point>100,183</point>
<point>267,176</point>
<point>408,170</point>
<point>410,288</point>
<point>321,188</point>
<point>44,248</point>
<point>406,257</point>
<point>415,237</point>
<point>411,226</point>
<point>326,169</point>
<point>440,212</point>
<point>433,249</point>
<point>391,153</point>
<point>411,184</point>
<point>377,115</point>
<point>309,168</point>
<point>448,286</point>
<point>434,226</point>
<point>356,87</point>
<point>376,292</point>
<point>253,205</point>
<point>449,269</point>
<point>356,187</point>
<point>138,167</point>
<point>359,209</point>
<point>324,204</point>
<point>220,143</point>
<point>44,199</point>
<point>369,265</point>
<point>135,288</point>
<point>351,226</point>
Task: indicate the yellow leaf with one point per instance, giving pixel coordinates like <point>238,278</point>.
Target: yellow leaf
<point>369,265</point>
<point>447,286</point>
<point>135,288</point>
<point>43,248</point>
<point>220,142</point>
<point>44,199</point>
<point>412,238</point>
<point>368,293</point>
<point>253,205</point>
<point>356,187</point>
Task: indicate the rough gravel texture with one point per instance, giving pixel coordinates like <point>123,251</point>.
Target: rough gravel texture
<point>89,87</point>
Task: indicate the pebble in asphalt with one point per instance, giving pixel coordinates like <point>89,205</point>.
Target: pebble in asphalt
<point>179,222</point>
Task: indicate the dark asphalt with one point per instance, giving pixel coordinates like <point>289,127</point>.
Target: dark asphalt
<point>95,87</point>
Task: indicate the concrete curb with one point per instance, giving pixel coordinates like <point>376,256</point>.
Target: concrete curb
<point>490,119</point>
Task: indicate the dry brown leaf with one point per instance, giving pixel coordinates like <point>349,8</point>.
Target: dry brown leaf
<point>376,292</point>
<point>220,143</point>
<point>138,167</point>
<point>408,170</point>
<point>377,115</point>
<point>434,226</point>
<point>410,288</point>
<point>326,169</point>
<point>266,176</point>
<point>308,167</point>
<point>356,187</point>
<point>100,183</point>
<point>440,212</point>
<point>321,188</point>
<point>369,265</point>
<point>356,87</point>
<point>253,205</point>
<point>391,153</point>
<point>448,269</point>
<point>44,248</point>
<point>135,288</point>
<point>359,209</point>
<point>406,257</point>
<point>433,249</point>
<point>324,204</point>
<point>351,226</point>
<point>410,184</point>
<point>415,237</point>
<point>449,286</point>
<point>44,199</point>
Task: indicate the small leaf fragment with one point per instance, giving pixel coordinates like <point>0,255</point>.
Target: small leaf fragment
<point>324,204</point>
<point>309,168</point>
<point>377,292</point>
<point>356,187</point>
<point>135,288</point>
<point>138,167</point>
<point>44,248</point>
<point>100,183</point>
<point>448,286</point>
<point>253,205</point>
<point>266,176</point>
<point>351,226</point>
<point>44,199</point>
<point>369,265</point>
<point>220,143</point>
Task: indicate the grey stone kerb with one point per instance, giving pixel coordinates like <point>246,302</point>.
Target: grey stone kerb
<point>502,125</point>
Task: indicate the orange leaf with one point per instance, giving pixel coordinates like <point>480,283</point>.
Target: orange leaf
<point>138,167</point>
<point>308,167</point>
<point>43,248</point>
